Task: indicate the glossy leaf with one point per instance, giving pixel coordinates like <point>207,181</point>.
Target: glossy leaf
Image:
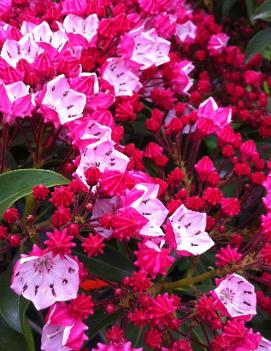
<point>263,12</point>
<point>99,321</point>
<point>136,336</point>
<point>12,306</point>
<point>28,335</point>
<point>10,340</point>
<point>17,184</point>
<point>258,43</point>
<point>227,7</point>
<point>250,4</point>
<point>111,266</point>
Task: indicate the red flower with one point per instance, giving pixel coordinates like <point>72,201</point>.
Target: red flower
<point>93,245</point>
<point>59,242</point>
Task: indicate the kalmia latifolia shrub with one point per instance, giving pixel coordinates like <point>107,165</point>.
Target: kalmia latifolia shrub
<point>155,232</point>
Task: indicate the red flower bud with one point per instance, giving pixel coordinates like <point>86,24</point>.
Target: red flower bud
<point>92,175</point>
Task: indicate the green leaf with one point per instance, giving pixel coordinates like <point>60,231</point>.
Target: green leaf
<point>226,7</point>
<point>258,43</point>
<point>12,306</point>
<point>99,321</point>
<point>136,336</point>
<point>17,184</point>
<point>111,265</point>
<point>10,340</point>
<point>28,334</point>
<point>250,4</point>
<point>263,12</point>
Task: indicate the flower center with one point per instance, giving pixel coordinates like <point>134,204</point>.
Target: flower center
<point>44,265</point>
<point>227,295</point>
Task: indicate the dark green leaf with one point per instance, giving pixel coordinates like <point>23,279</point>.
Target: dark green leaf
<point>99,321</point>
<point>10,340</point>
<point>250,7</point>
<point>17,184</point>
<point>211,143</point>
<point>258,43</point>
<point>12,306</point>
<point>263,12</point>
<point>136,336</point>
<point>226,7</point>
<point>28,335</point>
<point>112,265</point>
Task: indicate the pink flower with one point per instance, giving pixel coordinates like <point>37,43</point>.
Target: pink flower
<point>5,6</point>
<point>219,116</point>
<point>186,232</point>
<point>103,156</point>
<point>42,33</point>
<point>237,296</point>
<point>241,338</point>
<point>227,255</point>
<point>101,208</point>
<point>116,347</point>
<point>87,132</point>
<point>265,345</point>
<point>186,32</point>
<point>59,242</point>
<point>87,27</point>
<point>16,101</point>
<point>44,279</point>
<point>122,75</point>
<point>148,48</point>
<point>248,150</point>
<point>143,197</point>
<point>13,51</point>
<point>181,82</point>
<point>127,222</point>
<point>62,331</point>
<point>217,42</point>
<point>204,168</point>
<point>76,7</point>
<point>153,259</point>
<point>67,103</point>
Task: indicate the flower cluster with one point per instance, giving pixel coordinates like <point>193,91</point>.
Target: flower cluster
<point>160,225</point>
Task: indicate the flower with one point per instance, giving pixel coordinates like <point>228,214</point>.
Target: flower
<point>265,345</point>
<point>62,331</point>
<point>59,242</point>
<point>13,51</point>
<point>16,101</point>
<point>93,245</point>
<point>42,33</point>
<point>122,75</point>
<point>103,156</point>
<point>143,198</point>
<point>237,296</point>
<point>217,42</point>
<point>44,279</point>
<point>227,255</point>
<point>147,47</point>
<point>186,232</point>
<point>77,25</point>
<point>219,117</point>
<point>127,346</point>
<point>67,103</point>
<point>152,258</point>
<point>186,32</point>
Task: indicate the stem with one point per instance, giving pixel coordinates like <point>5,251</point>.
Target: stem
<point>29,204</point>
<point>168,286</point>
